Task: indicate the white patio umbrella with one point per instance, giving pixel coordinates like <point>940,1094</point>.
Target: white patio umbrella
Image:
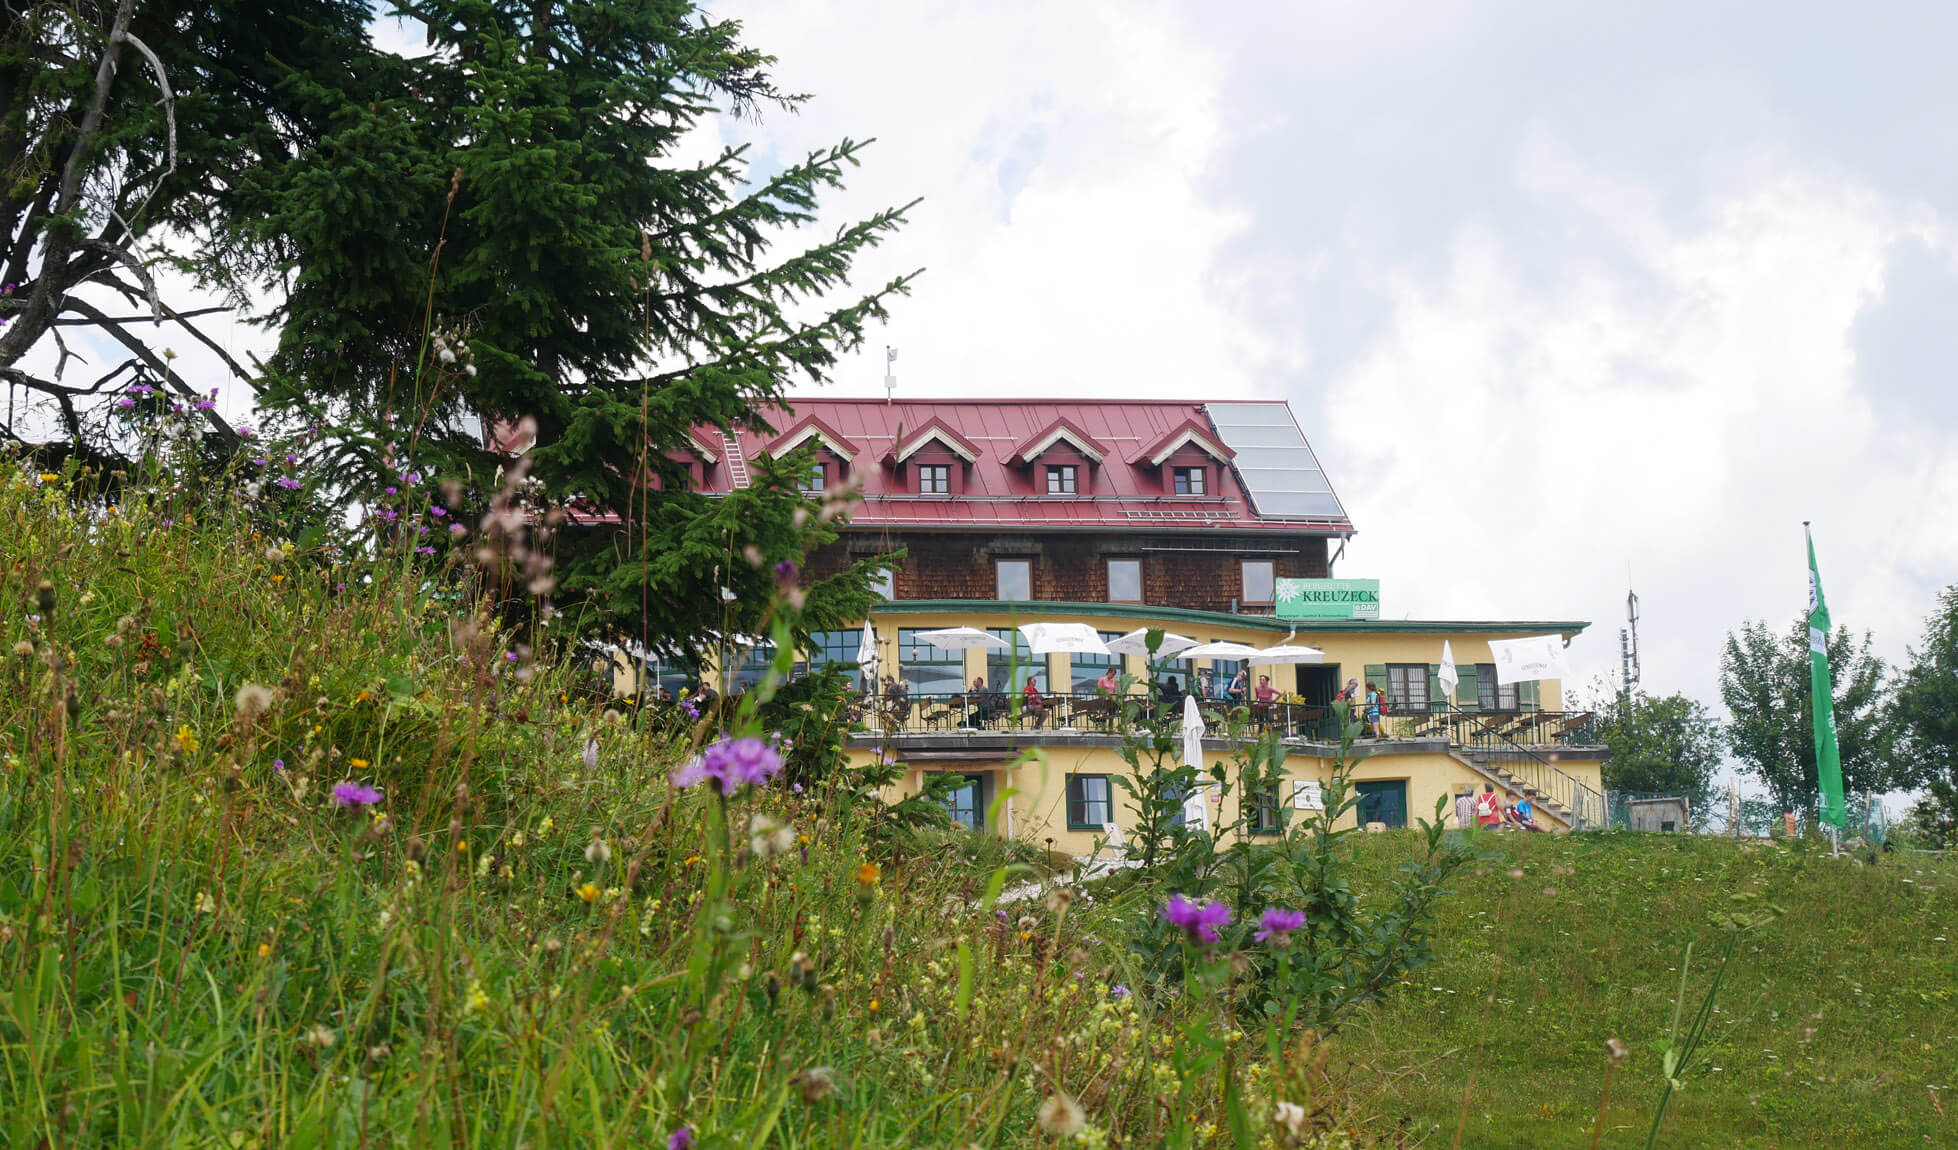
<point>1283,653</point>
<point>1136,642</point>
<point>1221,650</point>
<point>1196,812</point>
<point>1067,638</point>
<point>960,638</point>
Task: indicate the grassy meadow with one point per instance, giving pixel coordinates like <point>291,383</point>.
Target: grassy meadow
<point>210,937</point>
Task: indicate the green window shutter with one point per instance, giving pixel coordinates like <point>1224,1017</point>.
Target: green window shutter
<point>1467,694</point>
<point>1435,700</point>
<point>1526,695</point>
<point>1377,675</point>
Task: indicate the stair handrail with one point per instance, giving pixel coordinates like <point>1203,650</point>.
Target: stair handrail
<point>1590,796</point>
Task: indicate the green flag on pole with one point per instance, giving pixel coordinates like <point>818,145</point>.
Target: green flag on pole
<point>1822,699</point>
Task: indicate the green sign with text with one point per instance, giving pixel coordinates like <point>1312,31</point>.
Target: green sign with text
<point>1329,598</point>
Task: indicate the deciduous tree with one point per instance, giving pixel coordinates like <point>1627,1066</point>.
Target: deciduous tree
<point>1764,680</point>
<point>1670,744</point>
<point>1926,716</point>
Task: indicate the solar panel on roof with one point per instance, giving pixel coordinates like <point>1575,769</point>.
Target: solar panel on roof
<point>1274,462</point>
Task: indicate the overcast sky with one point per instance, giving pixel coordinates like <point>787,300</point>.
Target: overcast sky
<point>1563,295</point>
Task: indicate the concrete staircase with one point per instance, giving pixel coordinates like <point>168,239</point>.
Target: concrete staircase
<point>1502,773</point>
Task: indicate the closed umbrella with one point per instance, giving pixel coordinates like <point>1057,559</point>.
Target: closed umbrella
<point>1136,642</point>
<point>960,638</point>
<point>1195,811</point>
<point>867,655</point>
<point>1066,638</point>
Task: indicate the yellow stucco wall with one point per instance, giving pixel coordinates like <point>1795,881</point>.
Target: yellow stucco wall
<point>1037,813</point>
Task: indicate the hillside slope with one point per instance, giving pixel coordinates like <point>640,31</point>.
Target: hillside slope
<point>1835,1025</point>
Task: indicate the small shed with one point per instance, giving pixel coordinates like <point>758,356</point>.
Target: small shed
<point>1666,814</point>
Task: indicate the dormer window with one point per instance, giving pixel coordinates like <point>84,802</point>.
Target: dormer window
<point>934,479</point>
<point>816,481</point>
<point>1062,479</point>
<point>1187,480</point>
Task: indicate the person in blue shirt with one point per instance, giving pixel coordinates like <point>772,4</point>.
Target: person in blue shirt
<point>1523,811</point>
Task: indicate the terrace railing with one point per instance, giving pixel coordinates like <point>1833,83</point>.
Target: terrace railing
<point>1086,713</point>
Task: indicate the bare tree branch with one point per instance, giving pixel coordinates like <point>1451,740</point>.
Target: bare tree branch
<point>128,339</point>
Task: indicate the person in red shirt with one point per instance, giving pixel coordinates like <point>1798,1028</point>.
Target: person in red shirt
<point>1488,808</point>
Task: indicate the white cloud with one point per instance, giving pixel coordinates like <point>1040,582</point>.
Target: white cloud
<point>1537,442</point>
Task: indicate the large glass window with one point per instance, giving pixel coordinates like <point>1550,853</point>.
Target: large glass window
<point>1085,670</point>
<point>834,647</point>
<point>1188,480</point>
<point>1009,668</point>
<point>1222,671</point>
<point>1407,686</point>
<point>1184,671</point>
<point>1090,802</point>
<point>927,669</point>
<point>753,664</point>
<point>677,678</point>
<point>1015,579</point>
<point>1061,479</point>
<point>1260,581</point>
<point>934,479</point>
<point>1125,580</point>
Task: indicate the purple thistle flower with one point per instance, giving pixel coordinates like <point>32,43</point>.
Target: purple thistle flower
<point>208,404</point>
<point>291,460</point>
<point>411,478</point>
<point>424,550</point>
<point>390,491</point>
<point>389,514</point>
<point>457,530</point>
<point>278,766</point>
<point>785,572</point>
<point>354,795</point>
<point>288,482</point>
<point>1277,922</point>
<point>141,389</point>
<point>125,403</point>
<point>259,462</point>
<point>733,763</point>
<point>1118,991</point>
<point>1199,922</point>
<point>681,1139</point>
<point>691,708</point>
<point>438,511</point>
<point>245,431</point>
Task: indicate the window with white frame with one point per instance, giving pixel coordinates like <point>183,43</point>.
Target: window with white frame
<point>934,479</point>
<point>1259,577</point>
<point>1014,579</point>
<point>1125,580</point>
<point>1061,479</point>
<point>1187,480</point>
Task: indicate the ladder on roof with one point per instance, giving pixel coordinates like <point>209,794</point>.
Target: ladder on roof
<point>737,467</point>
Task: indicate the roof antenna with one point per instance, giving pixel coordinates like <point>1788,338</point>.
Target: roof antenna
<point>890,377</point>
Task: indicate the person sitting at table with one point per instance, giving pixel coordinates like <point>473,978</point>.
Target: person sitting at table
<point>1032,703</point>
<point>985,704</point>
<point>1172,695</point>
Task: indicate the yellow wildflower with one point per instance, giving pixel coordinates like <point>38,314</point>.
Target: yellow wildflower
<point>49,477</point>
<point>264,949</point>
<point>869,874</point>
<point>186,739</point>
<point>358,764</point>
<point>589,892</point>
<point>693,860</point>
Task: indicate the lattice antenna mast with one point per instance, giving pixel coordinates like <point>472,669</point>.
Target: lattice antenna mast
<point>1628,643</point>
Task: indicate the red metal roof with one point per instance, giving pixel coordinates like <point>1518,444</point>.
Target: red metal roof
<point>1122,492</point>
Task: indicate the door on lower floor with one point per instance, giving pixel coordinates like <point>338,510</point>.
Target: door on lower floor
<point>1383,802</point>
<point>967,804</point>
